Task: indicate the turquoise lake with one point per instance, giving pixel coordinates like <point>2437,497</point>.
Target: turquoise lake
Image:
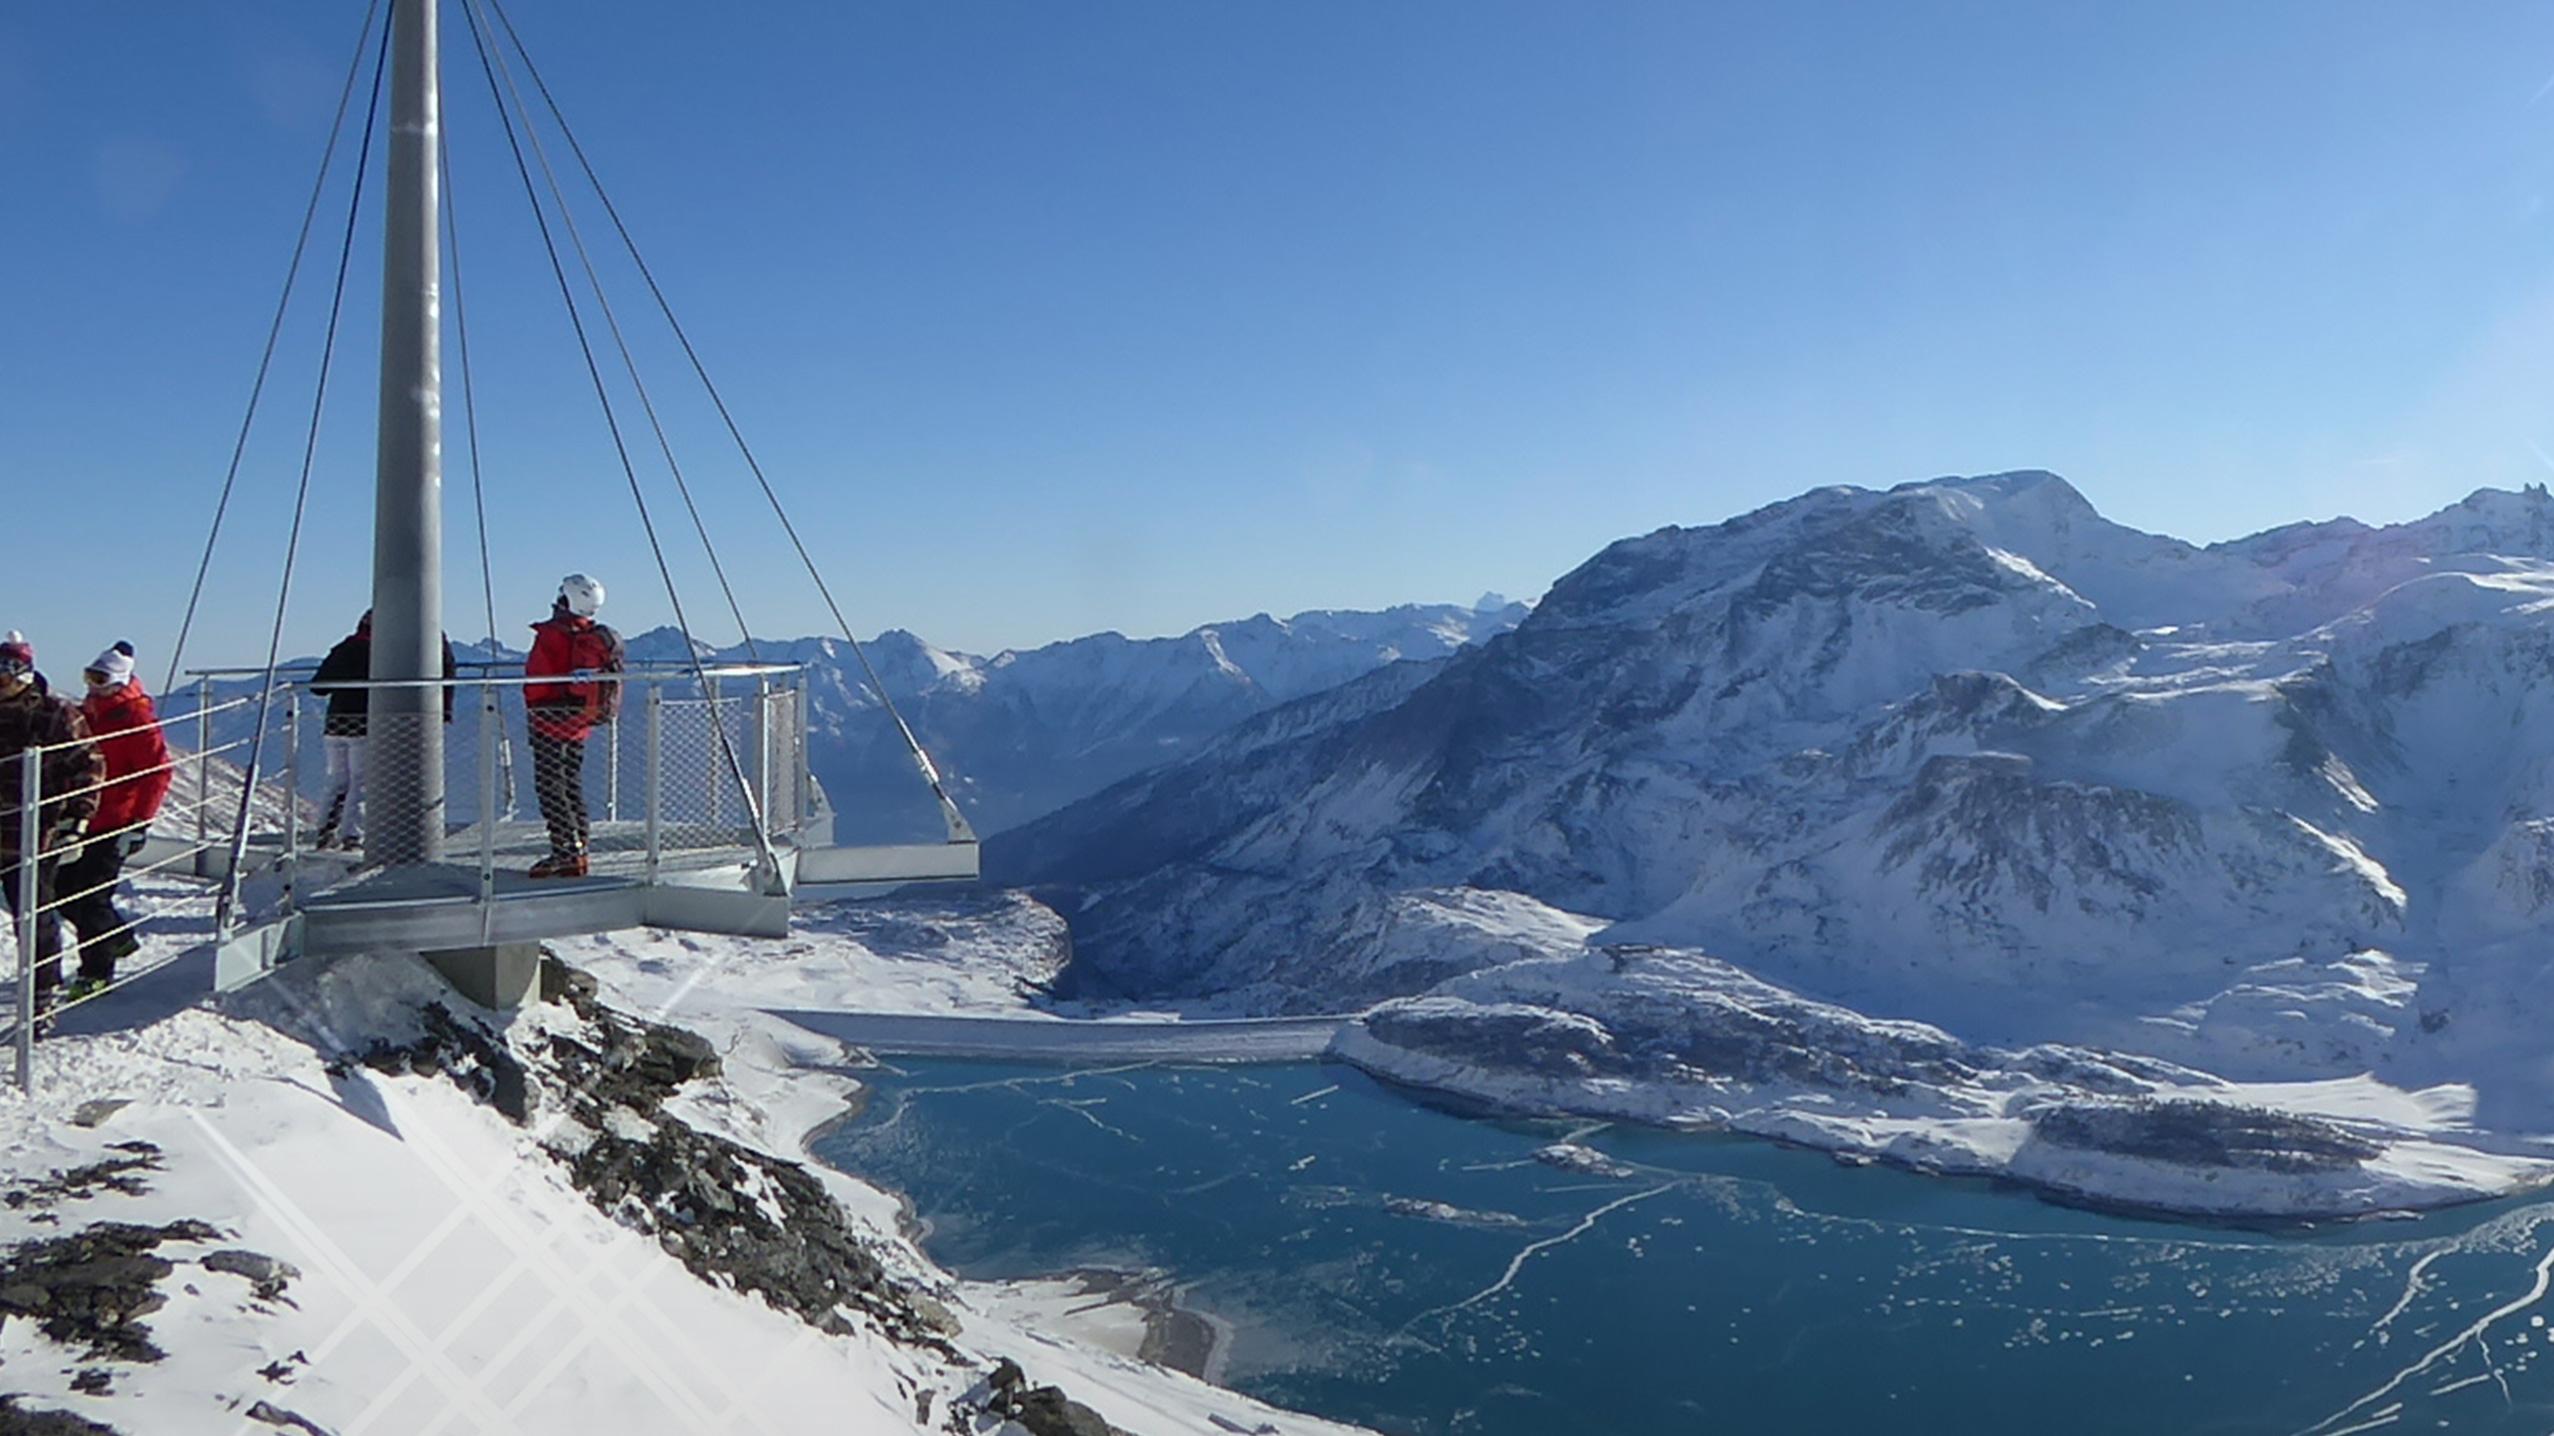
<point>1709,1284</point>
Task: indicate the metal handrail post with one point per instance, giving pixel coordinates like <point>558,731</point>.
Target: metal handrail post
<point>30,857</point>
<point>712,771</point>
<point>763,753</point>
<point>612,771</point>
<point>203,768</point>
<point>655,776</point>
<point>292,796</point>
<point>489,718</point>
<point>802,771</point>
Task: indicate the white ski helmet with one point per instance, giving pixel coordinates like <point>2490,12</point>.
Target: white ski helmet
<point>582,595</point>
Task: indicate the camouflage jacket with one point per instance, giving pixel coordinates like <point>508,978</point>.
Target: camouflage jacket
<point>71,765</point>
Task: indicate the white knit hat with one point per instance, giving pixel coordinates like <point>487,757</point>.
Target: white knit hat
<point>116,663</point>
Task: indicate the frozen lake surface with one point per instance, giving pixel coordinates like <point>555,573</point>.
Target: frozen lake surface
<point>1387,1263</point>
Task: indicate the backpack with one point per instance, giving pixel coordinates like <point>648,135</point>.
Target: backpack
<point>600,650</point>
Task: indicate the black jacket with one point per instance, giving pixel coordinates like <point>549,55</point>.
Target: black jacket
<point>70,772</point>
<point>350,709</point>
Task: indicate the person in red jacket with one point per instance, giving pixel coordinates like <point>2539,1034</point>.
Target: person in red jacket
<point>569,645</point>
<point>126,728</point>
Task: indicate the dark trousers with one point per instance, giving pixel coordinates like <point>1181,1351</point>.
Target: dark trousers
<point>90,881</point>
<point>48,925</point>
<point>558,779</point>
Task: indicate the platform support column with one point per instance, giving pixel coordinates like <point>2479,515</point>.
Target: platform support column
<point>507,974</point>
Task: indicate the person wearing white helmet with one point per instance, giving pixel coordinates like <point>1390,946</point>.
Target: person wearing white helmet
<point>574,661</point>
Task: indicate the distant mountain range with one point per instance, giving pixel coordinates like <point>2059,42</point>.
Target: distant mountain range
<point>1024,731</point>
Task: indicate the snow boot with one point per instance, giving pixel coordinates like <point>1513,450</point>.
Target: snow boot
<point>560,865</point>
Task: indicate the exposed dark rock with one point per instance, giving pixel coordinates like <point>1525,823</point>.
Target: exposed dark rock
<point>2206,1134</point>
<point>97,1109</point>
<point>91,1289</point>
<point>17,1421</point>
<point>1516,1039</point>
<point>113,1174</point>
<point>1042,1410</point>
<point>266,1274</point>
<point>562,983</point>
<point>94,1381</point>
<point>468,1054</point>
<point>1046,1411</point>
<point>731,1214</point>
<point>286,1420</point>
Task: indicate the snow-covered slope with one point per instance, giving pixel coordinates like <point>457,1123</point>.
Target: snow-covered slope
<point>347,1200</point>
<point>1961,751</point>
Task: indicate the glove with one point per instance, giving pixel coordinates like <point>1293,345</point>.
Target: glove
<point>64,838</point>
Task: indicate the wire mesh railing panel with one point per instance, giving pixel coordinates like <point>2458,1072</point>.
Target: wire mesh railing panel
<point>675,775</point>
<point>86,821</point>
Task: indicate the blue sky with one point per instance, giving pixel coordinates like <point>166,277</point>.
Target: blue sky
<point>1056,317</point>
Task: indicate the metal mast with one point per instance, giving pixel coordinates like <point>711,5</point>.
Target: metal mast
<point>405,797</point>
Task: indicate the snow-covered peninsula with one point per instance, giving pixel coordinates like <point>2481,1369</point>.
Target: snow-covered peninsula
<point>2066,826</point>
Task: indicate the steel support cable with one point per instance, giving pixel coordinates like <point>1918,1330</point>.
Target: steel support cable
<point>266,357</point>
<point>469,402</point>
<point>470,425</point>
<point>489,66</point>
<point>959,829</point>
<point>612,323</point>
<point>301,494</point>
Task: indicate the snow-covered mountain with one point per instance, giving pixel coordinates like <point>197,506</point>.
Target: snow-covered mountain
<point>1025,731</point>
<point>1961,751</point>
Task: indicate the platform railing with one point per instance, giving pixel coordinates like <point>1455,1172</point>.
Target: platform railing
<point>699,769</point>
<point>694,768</point>
<point>61,871</point>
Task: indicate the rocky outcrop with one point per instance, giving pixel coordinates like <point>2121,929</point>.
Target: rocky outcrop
<point>90,1290</point>
<point>2205,1134</point>
<point>16,1420</point>
<point>730,1214</point>
<point>1039,1410</point>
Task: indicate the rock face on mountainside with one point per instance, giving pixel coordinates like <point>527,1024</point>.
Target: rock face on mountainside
<point>1960,750</point>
